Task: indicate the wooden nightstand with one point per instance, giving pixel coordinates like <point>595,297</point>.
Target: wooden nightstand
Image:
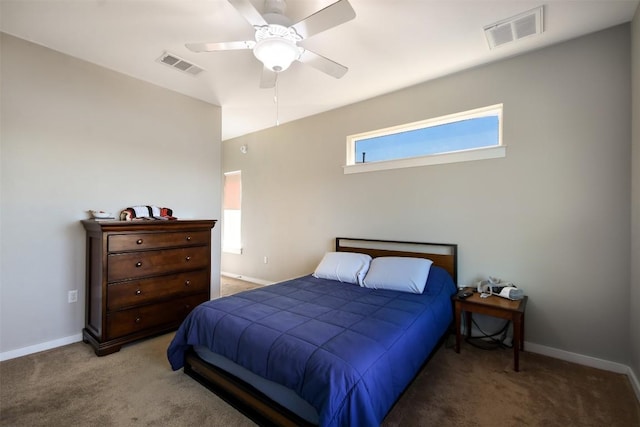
<point>497,307</point>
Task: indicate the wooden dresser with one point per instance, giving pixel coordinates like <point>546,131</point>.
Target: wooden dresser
<point>143,278</point>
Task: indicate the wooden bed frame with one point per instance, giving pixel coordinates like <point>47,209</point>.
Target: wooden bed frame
<point>259,407</point>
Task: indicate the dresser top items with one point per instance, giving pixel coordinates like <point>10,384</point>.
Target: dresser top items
<point>147,225</point>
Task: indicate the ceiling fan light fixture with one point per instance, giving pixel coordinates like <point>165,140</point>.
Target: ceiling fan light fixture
<point>276,53</point>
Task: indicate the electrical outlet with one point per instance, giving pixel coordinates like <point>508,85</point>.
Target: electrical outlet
<point>72,296</point>
<point>266,260</point>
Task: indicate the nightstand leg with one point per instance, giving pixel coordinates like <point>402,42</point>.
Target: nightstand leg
<point>522,333</point>
<point>517,341</point>
<point>457,315</point>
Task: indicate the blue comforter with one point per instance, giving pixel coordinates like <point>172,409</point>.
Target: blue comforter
<point>348,351</point>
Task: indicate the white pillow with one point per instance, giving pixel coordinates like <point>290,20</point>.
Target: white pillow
<point>348,267</point>
<point>398,274</point>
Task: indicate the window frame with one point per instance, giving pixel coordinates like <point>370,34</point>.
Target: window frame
<point>471,154</point>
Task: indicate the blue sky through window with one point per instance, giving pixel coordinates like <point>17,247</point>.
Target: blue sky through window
<point>461,135</point>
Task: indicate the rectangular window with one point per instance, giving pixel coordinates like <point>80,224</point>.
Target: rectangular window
<point>470,135</point>
<point>232,213</point>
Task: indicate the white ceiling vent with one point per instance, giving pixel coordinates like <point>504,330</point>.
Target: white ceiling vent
<point>180,64</point>
<point>515,28</point>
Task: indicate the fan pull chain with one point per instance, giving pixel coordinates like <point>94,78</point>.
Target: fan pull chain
<point>275,100</point>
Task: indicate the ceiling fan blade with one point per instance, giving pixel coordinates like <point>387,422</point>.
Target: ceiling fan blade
<point>331,16</point>
<point>268,78</point>
<point>211,47</point>
<point>250,13</point>
<point>323,64</point>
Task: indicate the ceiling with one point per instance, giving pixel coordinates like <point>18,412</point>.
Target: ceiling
<point>388,46</point>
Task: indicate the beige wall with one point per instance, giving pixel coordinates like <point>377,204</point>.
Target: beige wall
<point>75,136</point>
<point>634,318</point>
<point>553,216</point>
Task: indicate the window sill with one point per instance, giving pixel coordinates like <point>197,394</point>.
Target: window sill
<point>436,159</point>
<point>237,251</point>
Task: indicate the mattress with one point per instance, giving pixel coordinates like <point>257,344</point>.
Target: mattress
<point>347,351</point>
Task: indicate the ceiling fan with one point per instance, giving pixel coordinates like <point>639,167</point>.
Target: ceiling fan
<point>276,39</point>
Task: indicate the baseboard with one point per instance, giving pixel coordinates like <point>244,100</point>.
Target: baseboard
<point>587,361</point>
<point>37,348</point>
<point>246,278</point>
<point>634,383</point>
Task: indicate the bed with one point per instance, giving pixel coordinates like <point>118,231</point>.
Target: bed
<point>333,348</point>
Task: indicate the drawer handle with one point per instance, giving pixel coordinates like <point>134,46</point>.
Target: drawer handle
<point>188,238</point>
<point>138,292</point>
<point>138,319</point>
<point>139,241</point>
<point>187,258</point>
<point>139,264</point>
<point>187,282</point>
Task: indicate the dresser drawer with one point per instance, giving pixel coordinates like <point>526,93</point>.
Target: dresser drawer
<point>136,292</point>
<point>143,241</point>
<point>131,265</point>
<point>125,322</point>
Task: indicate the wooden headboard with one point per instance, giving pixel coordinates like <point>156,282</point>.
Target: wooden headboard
<point>443,255</point>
